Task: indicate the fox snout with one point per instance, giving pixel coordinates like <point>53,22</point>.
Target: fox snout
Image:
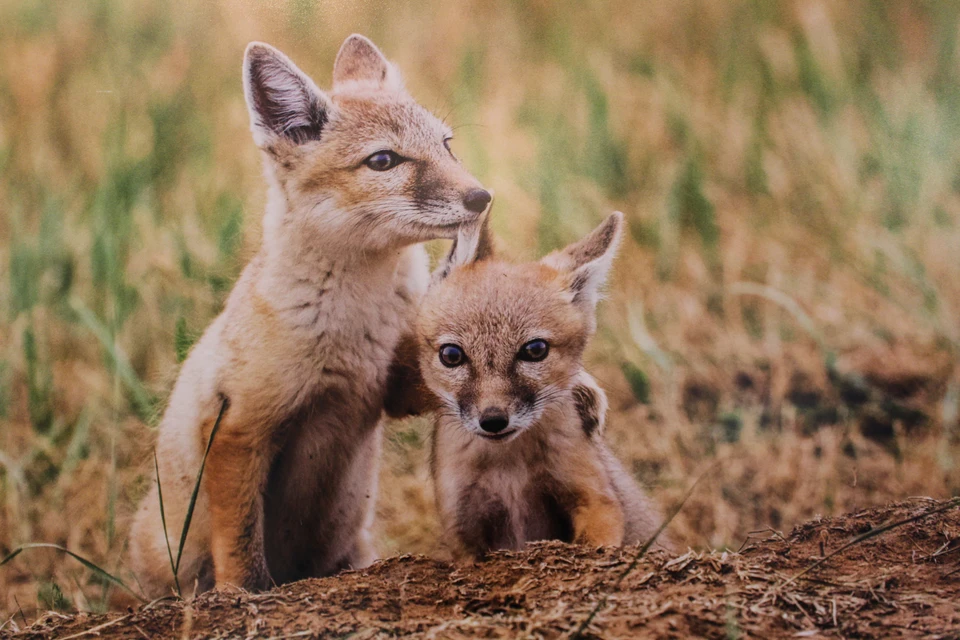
<point>500,418</point>
<point>476,200</point>
<point>497,408</point>
<point>447,197</point>
<point>494,420</point>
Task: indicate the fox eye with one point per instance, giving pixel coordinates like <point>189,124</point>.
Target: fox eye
<point>446,144</point>
<point>452,356</point>
<point>534,351</point>
<point>383,160</point>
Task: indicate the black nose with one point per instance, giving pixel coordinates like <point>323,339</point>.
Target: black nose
<point>494,420</point>
<point>476,200</point>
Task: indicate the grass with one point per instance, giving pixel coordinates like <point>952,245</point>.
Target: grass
<point>787,170</point>
<point>872,533</point>
<point>188,518</point>
<point>637,557</point>
<point>97,570</point>
<point>185,530</point>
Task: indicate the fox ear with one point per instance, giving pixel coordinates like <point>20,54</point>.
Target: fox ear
<point>283,102</point>
<point>473,243</point>
<point>360,61</point>
<point>586,263</point>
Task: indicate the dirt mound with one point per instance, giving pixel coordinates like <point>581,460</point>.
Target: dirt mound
<point>905,582</point>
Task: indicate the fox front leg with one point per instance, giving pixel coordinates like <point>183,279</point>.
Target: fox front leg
<point>235,477</point>
<point>598,521</point>
<point>596,513</point>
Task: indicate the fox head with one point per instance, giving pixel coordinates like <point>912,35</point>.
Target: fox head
<point>362,166</point>
<point>498,342</point>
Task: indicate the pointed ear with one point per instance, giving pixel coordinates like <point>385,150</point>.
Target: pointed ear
<point>360,61</point>
<point>586,263</point>
<point>284,103</point>
<point>473,243</point>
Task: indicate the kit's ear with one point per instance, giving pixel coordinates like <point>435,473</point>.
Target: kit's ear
<point>360,62</point>
<point>586,263</point>
<point>284,103</point>
<point>473,243</point>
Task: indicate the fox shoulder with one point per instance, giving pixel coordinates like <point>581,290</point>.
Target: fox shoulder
<point>407,394</point>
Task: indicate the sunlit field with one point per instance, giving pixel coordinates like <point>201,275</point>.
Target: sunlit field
<point>783,314</point>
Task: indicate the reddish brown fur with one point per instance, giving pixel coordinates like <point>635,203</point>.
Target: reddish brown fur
<point>552,476</point>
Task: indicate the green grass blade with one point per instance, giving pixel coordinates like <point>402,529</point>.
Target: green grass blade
<point>196,487</point>
<point>89,565</point>
<point>786,303</point>
<point>163,519</point>
<point>141,398</point>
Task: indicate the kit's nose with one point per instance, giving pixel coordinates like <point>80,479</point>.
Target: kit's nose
<point>494,420</point>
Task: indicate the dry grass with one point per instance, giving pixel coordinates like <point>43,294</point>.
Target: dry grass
<point>801,146</point>
<point>900,582</point>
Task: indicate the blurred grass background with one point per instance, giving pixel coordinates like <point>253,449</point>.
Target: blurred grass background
<point>786,303</point>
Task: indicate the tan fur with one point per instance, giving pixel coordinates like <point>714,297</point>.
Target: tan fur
<point>552,475</point>
<point>301,351</point>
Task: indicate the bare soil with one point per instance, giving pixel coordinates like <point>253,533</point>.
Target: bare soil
<point>904,582</point>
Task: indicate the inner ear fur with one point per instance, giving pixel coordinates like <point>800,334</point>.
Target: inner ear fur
<point>586,263</point>
<point>474,243</point>
<point>284,103</point>
<point>359,61</point>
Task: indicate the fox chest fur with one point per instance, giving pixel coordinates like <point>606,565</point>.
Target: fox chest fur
<point>494,497</point>
<point>331,363</point>
<point>327,337</point>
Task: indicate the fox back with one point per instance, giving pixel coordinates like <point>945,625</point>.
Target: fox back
<point>518,447</point>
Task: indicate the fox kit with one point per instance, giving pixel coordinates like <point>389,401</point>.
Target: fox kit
<point>518,449</point>
<point>297,361</point>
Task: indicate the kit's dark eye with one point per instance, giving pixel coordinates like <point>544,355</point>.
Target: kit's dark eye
<point>452,356</point>
<point>534,351</point>
<point>383,160</point>
<point>446,143</point>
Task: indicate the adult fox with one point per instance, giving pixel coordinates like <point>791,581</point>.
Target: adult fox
<point>297,362</point>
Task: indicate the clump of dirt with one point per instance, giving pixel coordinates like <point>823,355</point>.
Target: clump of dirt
<point>905,582</point>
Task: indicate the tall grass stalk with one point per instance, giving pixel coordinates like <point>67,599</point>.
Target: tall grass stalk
<point>163,519</point>
<point>196,487</point>
<point>141,399</point>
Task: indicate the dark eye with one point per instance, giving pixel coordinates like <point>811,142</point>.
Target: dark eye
<point>452,356</point>
<point>534,351</point>
<point>383,160</point>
